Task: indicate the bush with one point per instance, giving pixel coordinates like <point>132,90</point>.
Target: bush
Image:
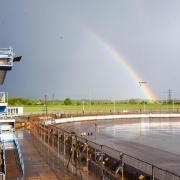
<point>20,101</point>
<point>133,101</point>
<point>78,103</point>
<point>68,101</point>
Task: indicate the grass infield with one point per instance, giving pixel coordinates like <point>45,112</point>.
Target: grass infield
<point>100,107</point>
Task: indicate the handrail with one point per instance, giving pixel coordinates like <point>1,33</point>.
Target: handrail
<point>19,153</point>
<point>124,154</point>
<point>4,157</point>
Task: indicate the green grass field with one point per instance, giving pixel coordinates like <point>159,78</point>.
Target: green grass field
<point>98,107</point>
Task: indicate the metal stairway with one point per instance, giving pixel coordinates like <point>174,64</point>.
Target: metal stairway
<point>13,169</point>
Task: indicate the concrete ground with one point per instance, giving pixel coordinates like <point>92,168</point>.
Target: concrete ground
<point>37,165</point>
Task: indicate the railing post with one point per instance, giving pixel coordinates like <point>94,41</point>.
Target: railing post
<point>53,136</point>
<point>153,178</point>
<point>41,132</point>
<point>44,135</point>
<point>122,166</point>
<point>53,144</point>
<point>58,142</point>
<point>41,138</point>
<point>34,129</point>
<point>87,158</point>
<point>58,148</point>
<point>48,136</point>
<point>48,141</point>
<point>102,173</point>
<point>64,144</point>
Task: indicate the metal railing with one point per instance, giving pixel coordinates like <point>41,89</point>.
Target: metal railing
<point>3,158</point>
<point>21,160</point>
<point>2,176</point>
<point>93,159</point>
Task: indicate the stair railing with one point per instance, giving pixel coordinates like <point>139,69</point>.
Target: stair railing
<point>3,159</point>
<point>19,154</point>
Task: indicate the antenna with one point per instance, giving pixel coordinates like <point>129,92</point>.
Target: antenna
<point>142,83</point>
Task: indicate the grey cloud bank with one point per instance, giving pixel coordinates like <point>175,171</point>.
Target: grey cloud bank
<point>60,56</point>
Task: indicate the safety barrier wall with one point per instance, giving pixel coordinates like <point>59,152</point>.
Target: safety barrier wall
<point>164,174</point>
<point>92,159</point>
<point>70,113</point>
<point>107,117</point>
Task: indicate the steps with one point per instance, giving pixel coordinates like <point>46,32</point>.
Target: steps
<point>12,164</point>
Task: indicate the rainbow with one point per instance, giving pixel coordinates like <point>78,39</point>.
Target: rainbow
<point>131,71</point>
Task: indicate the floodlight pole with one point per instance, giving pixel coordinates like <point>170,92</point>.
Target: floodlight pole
<point>114,106</point>
<point>95,130</point>
<point>83,106</point>
<point>45,101</point>
<point>95,137</point>
<point>141,84</point>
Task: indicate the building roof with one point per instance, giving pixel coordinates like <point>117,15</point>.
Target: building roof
<point>7,57</point>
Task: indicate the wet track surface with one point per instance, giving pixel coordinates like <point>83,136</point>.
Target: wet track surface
<point>156,141</point>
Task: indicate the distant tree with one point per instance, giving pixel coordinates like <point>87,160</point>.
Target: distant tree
<point>78,103</point>
<point>143,102</point>
<point>68,101</point>
<point>20,101</point>
<point>92,103</point>
<point>133,101</point>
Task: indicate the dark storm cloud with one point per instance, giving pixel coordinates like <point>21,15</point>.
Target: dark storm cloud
<point>60,57</point>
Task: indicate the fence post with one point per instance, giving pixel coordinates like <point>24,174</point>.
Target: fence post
<point>87,159</point>
<point>64,144</point>
<point>58,142</point>
<point>48,137</point>
<point>44,135</point>
<point>122,165</point>
<point>35,130</point>
<point>49,129</point>
<point>38,131</point>
<point>102,173</point>
<point>58,148</point>
<point>53,145</point>
<point>153,178</point>
<point>41,132</point>
<point>53,137</point>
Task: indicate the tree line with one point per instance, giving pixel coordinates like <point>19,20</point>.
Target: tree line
<point>68,101</point>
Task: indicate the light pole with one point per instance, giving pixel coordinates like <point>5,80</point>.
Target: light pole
<point>170,98</point>
<point>173,104</point>
<point>83,106</point>
<point>95,131</point>
<point>53,96</point>
<point>95,137</point>
<point>45,103</point>
<point>143,83</point>
<point>114,106</point>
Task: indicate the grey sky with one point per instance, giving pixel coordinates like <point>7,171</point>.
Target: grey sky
<point>60,56</point>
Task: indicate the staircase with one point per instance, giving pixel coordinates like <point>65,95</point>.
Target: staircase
<point>13,170</point>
